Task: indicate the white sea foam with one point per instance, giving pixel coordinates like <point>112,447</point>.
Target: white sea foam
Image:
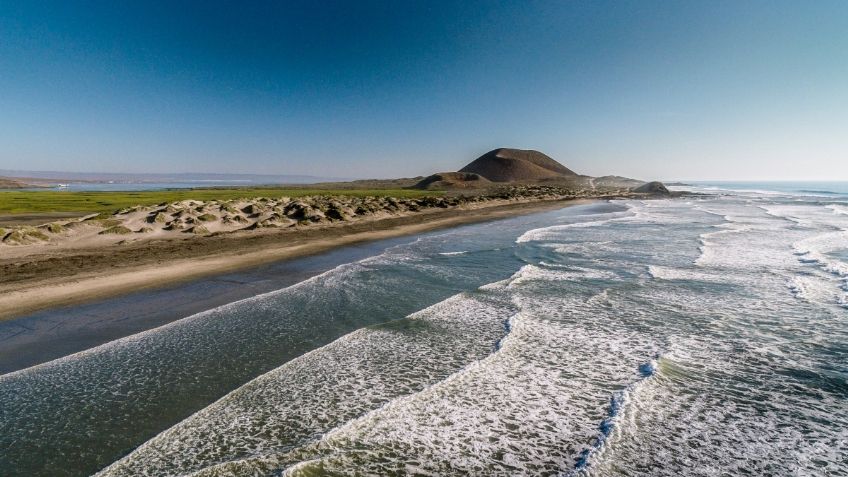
<point>555,369</point>
<point>711,212</point>
<point>531,273</point>
<point>782,212</point>
<point>546,233</point>
<point>657,212</point>
<point>532,415</point>
<point>594,220</point>
<point>676,273</point>
<point>619,402</point>
<point>838,209</point>
<point>819,289</point>
<point>581,247</point>
<point>711,249</point>
<point>816,249</point>
<point>308,396</point>
<point>800,287</point>
<point>536,404</point>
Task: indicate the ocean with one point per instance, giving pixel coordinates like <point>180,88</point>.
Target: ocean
<point>142,186</point>
<point>705,335</point>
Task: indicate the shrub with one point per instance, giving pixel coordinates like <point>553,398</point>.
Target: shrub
<point>117,229</point>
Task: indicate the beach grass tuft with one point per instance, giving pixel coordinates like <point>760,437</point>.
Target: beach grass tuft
<point>117,229</point>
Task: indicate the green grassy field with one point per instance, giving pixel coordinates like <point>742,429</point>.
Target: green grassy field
<point>29,202</point>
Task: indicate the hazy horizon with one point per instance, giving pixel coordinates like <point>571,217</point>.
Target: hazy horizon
<point>306,178</point>
<point>712,91</point>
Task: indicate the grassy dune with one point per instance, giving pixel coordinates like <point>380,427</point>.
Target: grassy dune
<point>27,202</point>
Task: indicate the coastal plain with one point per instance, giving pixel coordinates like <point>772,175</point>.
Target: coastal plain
<point>89,258</point>
<point>60,248</point>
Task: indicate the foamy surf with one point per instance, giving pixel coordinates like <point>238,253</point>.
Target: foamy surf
<point>618,407</point>
<point>307,397</point>
<point>622,212</point>
<point>838,209</point>
<point>678,337</point>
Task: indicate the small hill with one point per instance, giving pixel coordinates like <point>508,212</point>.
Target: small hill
<point>6,183</point>
<point>453,180</point>
<point>511,165</point>
<point>654,187</point>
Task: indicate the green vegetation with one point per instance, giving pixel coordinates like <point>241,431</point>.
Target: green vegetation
<point>24,202</point>
<point>118,229</point>
<point>25,235</point>
<point>103,222</point>
<point>15,237</point>
<point>32,232</point>
<point>198,230</point>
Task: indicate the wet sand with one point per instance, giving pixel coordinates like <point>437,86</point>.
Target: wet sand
<point>51,334</point>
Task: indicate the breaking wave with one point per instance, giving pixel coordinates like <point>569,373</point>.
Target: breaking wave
<point>605,341</point>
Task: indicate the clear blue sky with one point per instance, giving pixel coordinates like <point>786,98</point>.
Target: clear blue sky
<point>676,89</point>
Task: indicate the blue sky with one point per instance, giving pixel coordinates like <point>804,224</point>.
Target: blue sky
<point>673,90</point>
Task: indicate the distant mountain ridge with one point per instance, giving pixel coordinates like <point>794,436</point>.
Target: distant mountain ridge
<point>6,183</point>
<point>52,176</point>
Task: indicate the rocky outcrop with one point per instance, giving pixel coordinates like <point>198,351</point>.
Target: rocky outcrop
<point>655,187</point>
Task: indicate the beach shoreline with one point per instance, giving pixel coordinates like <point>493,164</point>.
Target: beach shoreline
<point>57,278</point>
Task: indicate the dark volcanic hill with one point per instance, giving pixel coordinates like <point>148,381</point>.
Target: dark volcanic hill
<point>510,165</point>
<point>654,187</point>
<point>453,180</point>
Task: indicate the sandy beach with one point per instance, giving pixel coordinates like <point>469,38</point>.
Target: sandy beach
<point>45,277</point>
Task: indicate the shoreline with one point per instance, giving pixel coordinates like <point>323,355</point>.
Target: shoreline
<point>119,270</point>
<point>54,333</point>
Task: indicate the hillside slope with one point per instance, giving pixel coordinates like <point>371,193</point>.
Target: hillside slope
<point>511,165</point>
<point>6,183</point>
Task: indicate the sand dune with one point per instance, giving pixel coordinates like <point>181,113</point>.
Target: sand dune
<point>195,217</point>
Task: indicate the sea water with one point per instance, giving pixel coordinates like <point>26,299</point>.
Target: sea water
<point>703,335</point>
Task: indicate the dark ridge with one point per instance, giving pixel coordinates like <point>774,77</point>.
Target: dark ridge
<point>452,180</point>
<point>654,187</point>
